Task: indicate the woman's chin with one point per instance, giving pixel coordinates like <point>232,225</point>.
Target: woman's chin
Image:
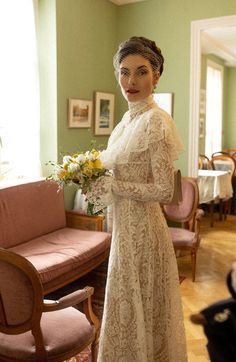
<point>133,97</point>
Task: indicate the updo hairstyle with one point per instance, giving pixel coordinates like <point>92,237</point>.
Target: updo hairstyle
<point>140,46</point>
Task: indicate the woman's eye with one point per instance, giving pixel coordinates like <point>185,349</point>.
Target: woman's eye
<point>124,73</point>
<point>142,72</point>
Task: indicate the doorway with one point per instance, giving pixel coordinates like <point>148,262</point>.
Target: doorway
<point>197,27</point>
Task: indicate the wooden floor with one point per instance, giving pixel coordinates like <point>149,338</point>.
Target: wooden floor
<point>216,254</point>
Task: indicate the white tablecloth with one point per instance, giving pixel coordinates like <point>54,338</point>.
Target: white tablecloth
<point>214,185</point>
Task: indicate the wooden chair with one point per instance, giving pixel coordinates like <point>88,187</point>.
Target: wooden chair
<point>218,153</point>
<point>33,329</point>
<point>224,205</point>
<point>204,163</point>
<point>230,151</point>
<point>187,215</point>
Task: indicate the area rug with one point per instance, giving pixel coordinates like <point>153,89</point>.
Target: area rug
<point>84,356</point>
<point>96,279</point>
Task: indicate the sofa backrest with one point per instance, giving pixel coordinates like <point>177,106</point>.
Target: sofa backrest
<point>30,210</point>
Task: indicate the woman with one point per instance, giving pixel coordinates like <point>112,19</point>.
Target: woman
<point>142,319</point>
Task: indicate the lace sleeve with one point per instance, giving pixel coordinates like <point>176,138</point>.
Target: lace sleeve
<point>162,188</point>
<point>100,193</point>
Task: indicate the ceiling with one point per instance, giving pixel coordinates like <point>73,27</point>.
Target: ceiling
<point>221,42</point>
<point>217,41</point>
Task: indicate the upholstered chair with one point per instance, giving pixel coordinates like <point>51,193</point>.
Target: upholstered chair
<point>33,329</point>
<point>224,205</point>
<point>204,163</point>
<point>185,235</point>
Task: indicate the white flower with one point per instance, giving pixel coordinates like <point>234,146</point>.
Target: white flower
<point>66,159</point>
<point>80,158</point>
<point>72,167</point>
<point>90,156</point>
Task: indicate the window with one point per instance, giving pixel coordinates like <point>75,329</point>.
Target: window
<point>214,95</point>
<point>19,90</point>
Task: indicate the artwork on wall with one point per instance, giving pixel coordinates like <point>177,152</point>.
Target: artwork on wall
<point>202,113</point>
<point>165,101</point>
<point>104,113</point>
<point>79,113</point>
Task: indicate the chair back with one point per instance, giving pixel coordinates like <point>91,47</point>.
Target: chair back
<point>224,162</point>
<point>230,151</point>
<point>220,153</point>
<point>204,163</point>
<point>21,294</point>
<point>184,211</point>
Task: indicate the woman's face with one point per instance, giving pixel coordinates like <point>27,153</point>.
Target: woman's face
<point>136,78</point>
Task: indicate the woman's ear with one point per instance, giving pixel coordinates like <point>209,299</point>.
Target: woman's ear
<point>156,78</point>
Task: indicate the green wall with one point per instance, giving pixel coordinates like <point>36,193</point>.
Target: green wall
<point>78,39</point>
<point>230,110</point>
<point>86,42</point>
<point>168,22</point>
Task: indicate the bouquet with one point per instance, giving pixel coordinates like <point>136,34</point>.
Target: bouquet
<point>81,169</point>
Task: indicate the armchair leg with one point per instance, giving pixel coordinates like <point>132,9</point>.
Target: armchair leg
<point>87,308</point>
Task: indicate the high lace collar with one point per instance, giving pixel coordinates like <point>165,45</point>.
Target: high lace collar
<point>137,108</point>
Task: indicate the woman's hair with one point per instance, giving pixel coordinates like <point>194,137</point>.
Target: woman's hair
<point>140,46</point>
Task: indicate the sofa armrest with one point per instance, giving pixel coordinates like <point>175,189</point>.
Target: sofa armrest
<point>84,222</point>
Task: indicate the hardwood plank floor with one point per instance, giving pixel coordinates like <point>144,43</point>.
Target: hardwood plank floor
<point>216,254</point>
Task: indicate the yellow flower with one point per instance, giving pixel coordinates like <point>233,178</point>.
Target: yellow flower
<point>98,164</point>
<point>87,171</point>
<point>89,165</point>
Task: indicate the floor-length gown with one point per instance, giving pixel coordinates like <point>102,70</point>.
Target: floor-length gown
<point>142,319</point>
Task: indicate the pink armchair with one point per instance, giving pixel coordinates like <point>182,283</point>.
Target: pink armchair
<point>187,215</point>
<point>32,329</point>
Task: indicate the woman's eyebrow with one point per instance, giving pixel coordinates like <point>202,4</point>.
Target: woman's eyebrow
<point>142,66</point>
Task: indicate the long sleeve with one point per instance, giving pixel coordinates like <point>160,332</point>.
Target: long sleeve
<point>100,193</point>
<point>162,188</point>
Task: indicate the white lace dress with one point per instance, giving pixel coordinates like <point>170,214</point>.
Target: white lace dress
<point>142,319</point>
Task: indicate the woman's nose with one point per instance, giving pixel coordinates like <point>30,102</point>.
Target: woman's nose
<point>132,79</point>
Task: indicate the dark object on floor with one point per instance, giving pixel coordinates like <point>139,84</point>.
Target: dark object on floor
<point>219,324</point>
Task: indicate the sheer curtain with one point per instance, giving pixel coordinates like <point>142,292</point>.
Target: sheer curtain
<point>214,93</point>
<point>19,90</point>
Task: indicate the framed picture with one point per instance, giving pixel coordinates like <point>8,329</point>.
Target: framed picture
<point>79,113</point>
<point>201,126</point>
<point>165,101</point>
<point>104,113</point>
<point>202,102</point>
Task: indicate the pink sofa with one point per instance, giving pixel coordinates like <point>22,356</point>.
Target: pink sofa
<point>34,224</point>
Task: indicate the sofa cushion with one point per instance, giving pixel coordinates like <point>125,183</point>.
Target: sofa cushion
<point>30,210</point>
<point>63,250</point>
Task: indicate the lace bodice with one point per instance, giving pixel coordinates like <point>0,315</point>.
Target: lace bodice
<point>140,152</point>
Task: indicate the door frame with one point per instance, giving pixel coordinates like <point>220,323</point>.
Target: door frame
<point>197,26</point>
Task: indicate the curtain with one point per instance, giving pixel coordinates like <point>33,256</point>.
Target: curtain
<point>19,90</point>
<point>214,86</point>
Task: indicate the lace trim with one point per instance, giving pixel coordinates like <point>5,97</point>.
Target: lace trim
<point>140,112</point>
<point>136,136</point>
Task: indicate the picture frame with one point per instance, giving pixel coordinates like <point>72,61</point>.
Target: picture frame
<point>104,113</point>
<point>165,101</point>
<point>80,113</point>
<point>201,126</point>
<point>202,102</point>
